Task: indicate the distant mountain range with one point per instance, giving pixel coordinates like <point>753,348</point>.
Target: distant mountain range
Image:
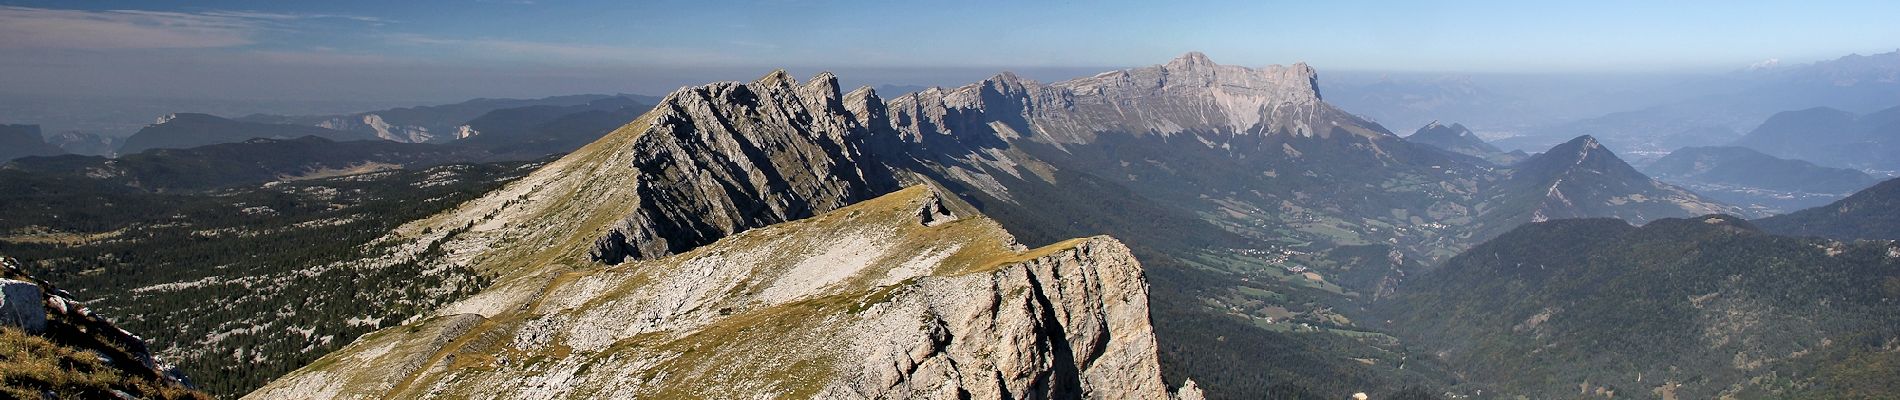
<point>1743,176</point>
<point>229,164</point>
<point>185,130</point>
<point>1715,110</point>
<point>512,134</point>
<point>1457,138</point>
<point>433,124</point>
<point>85,143</point>
<point>526,127</point>
<point>22,141</point>
<point>1831,137</point>
<point>1404,102</point>
<point>1869,214</point>
<point>529,132</point>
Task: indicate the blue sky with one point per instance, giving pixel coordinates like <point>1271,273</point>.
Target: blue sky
<point>445,49</point>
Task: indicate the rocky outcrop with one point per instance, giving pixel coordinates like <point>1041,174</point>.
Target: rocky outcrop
<point>20,306</point>
<point>115,363</point>
<point>464,132</point>
<point>866,301</point>
<point>373,123</point>
<point>722,158</point>
<point>1189,391</point>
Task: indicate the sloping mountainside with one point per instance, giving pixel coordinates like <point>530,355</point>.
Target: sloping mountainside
<point>24,141</point>
<point>1868,214</point>
<point>228,164</point>
<point>179,131</point>
<point>1831,137</point>
<point>895,297</point>
<point>52,346</point>
<point>1457,138</point>
<point>1583,179</point>
<point>1749,178</point>
<point>1706,307</point>
<point>242,284</point>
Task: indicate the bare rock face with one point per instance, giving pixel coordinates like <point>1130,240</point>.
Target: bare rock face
<point>20,306</point>
<point>722,158</point>
<point>1190,94</point>
<point>374,123</point>
<point>1189,391</point>
<point>865,301</point>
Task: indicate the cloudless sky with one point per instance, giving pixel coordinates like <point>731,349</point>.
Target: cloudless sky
<point>440,49</point>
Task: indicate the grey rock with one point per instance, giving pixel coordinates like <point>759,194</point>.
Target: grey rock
<point>727,157</point>
<point>1189,391</point>
<point>21,306</point>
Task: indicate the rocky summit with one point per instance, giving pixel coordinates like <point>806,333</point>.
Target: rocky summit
<point>718,159</point>
<point>1582,179</point>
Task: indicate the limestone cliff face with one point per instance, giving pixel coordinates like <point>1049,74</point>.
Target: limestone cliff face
<point>722,158</point>
<point>901,296</point>
<point>1190,94</point>
<point>374,123</point>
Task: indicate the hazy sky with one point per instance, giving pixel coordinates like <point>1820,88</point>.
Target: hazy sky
<point>441,50</point>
